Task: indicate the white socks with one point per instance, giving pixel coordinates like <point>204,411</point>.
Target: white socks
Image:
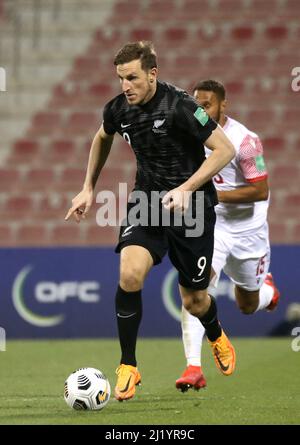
<point>192,335</point>
<point>266,293</point>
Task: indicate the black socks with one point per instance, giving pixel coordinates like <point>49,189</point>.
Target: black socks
<point>210,322</point>
<point>129,315</point>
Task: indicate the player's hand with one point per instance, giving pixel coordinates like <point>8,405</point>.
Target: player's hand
<point>81,205</point>
<point>177,200</point>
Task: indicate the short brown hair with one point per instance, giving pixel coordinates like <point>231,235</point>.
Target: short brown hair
<point>142,50</point>
<point>211,85</point>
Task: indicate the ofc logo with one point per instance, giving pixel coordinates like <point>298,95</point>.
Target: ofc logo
<point>295,345</point>
<point>47,292</point>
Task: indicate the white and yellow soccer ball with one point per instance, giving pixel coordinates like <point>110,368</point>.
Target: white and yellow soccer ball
<point>87,389</point>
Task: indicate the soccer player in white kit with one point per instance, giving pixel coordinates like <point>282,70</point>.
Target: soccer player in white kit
<point>241,248</point>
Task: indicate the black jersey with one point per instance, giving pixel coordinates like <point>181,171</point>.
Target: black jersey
<point>166,134</point>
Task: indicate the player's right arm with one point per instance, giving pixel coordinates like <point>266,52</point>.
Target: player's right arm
<point>99,152</point>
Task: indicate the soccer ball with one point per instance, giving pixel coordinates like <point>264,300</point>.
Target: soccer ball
<point>87,389</point>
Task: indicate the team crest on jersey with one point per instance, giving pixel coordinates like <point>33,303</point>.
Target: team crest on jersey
<point>201,116</point>
<point>260,163</point>
<point>157,124</point>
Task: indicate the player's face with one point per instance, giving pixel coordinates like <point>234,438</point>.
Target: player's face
<point>138,85</point>
<point>213,106</point>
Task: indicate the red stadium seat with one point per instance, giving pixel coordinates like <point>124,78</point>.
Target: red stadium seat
<point>97,94</point>
<point>18,206</point>
<point>67,234</point>
<point>24,150</point>
<point>241,33</point>
<point>9,179</point>
<point>295,233</point>
<point>278,232</point>
<point>234,87</point>
<point>276,32</point>
<point>141,34</point>
<point>7,236</point>
<point>104,236</point>
<point>38,178</point>
<point>127,11</point>
<point>61,150</point>
<point>82,123</point>
<point>64,96</point>
<point>160,11</point>
<point>53,206</point>
<point>282,175</point>
<point>293,201</point>
<point>32,235</point>
<point>193,10</point>
<point>260,7</point>
<point>71,179</point>
<point>174,36</point>
<point>274,145</point>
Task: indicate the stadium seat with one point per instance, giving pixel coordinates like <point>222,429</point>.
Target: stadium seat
<point>70,179</point>
<point>160,11</point>
<point>106,236</point>
<point>192,10</point>
<point>125,11</point>
<point>235,87</point>
<point>173,37</point>
<point>10,178</point>
<point>44,123</point>
<point>17,207</point>
<point>274,145</point>
<point>64,96</point>
<point>38,178</point>
<point>7,236</point>
<point>67,234</point>
<point>242,33</point>
<point>284,174</point>
<point>276,32</point>
<point>80,123</point>
<point>98,93</point>
<point>278,232</point>
<point>24,150</point>
<point>141,34</point>
<point>53,206</point>
<point>61,150</point>
<point>32,234</point>
<point>295,233</point>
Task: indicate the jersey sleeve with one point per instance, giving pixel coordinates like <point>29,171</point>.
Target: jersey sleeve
<point>189,117</point>
<point>251,159</point>
<point>108,120</point>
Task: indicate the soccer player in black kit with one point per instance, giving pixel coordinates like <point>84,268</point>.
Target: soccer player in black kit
<point>167,129</point>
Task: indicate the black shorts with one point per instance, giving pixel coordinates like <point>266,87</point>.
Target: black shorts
<point>191,256</point>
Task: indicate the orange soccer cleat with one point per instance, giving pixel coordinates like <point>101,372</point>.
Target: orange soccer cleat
<point>192,377</point>
<point>224,354</point>
<point>275,299</point>
<point>128,378</point>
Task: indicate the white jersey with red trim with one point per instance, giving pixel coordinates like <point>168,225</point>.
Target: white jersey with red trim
<point>246,167</point>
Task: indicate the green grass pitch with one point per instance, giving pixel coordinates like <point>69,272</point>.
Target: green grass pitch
<point>265,388</point>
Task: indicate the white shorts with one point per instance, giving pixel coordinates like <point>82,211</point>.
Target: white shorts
<point>245,259</point>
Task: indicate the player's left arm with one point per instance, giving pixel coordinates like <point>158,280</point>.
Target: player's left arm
<point>251,161</point>
<point>256,191</point>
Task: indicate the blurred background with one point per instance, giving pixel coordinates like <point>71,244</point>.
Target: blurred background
<point>58,279</point>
